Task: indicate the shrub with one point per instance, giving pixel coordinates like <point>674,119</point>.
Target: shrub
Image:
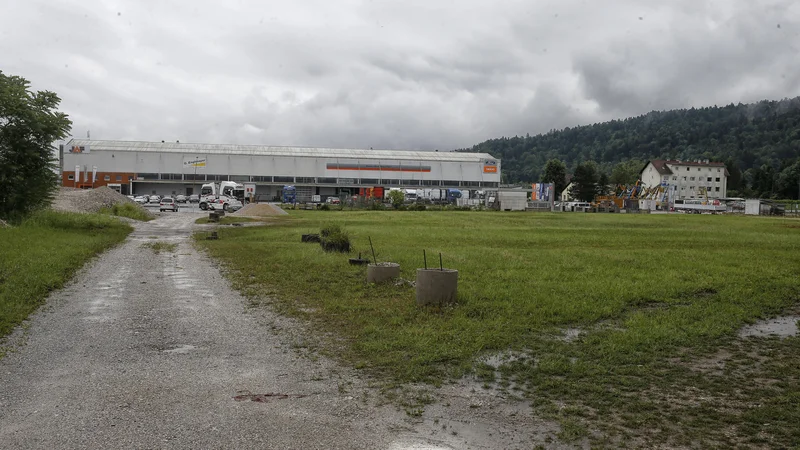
<point>324,207</point>
<point>330,229</point>
<point>417,207</point>
<point>128,210</point>
<point>334,239</point>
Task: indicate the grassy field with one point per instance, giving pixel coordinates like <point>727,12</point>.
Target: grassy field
<point>226,220</point>
<point>42,253</point>
<point>620,327</point>
<point>129,210</point>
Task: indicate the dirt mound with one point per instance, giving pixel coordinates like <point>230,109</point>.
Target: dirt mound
<point>259,210</point>
<point>89,200</point>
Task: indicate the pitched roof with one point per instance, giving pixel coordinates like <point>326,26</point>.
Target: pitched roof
<point>661,166</point>
<point>706,163</point>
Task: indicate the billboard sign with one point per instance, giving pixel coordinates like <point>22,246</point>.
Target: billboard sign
<point>542,192</point>
<point>489,166</point>
<point>79,148</point>
<point>199,163</point>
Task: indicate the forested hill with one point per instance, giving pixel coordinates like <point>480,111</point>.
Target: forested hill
<point>762,136</point>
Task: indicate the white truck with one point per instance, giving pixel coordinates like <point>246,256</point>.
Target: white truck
<point>224,195</point>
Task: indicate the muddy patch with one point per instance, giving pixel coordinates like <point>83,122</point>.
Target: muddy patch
<point>243,396</point>
<point>784,326</point>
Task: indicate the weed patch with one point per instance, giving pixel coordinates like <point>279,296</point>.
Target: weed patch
<point>645,291</point>
<point>128,210</point>
<point>40,254</point>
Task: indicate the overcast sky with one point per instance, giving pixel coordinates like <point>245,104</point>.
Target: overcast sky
<point>391,74</point>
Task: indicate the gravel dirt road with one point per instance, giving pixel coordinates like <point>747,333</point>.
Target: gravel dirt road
<point>147,350</point>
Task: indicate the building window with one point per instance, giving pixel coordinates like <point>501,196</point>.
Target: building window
<point>698,169</point>
<point>306,180</point>
<point>687,169</point>
<point>691,188</point>
<point>709,180</point>
<point>717,180</point>
<point>717,189</point>
<point>130,177</point>
<point>107,178</point>
<point>284,179</point>
<point>674,178</point>
<point>70,177</point>
<point>684,178</point>
<point>683,188</point>
<point>119,177</point>
<point>691,179</point>
<point>719,170</point>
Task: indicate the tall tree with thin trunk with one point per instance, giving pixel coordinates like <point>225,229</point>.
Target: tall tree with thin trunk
<point>584,181</point>
<point>555,171</point>
<point>29,125</point>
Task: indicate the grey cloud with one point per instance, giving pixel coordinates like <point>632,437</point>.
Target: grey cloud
<point>688,64</point>
<point>392,74</point>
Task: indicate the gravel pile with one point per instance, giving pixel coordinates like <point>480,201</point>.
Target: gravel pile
<point>259,210</point>
<point>89,200</point>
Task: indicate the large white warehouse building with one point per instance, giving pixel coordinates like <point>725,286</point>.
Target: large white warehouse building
<point>180,168</point>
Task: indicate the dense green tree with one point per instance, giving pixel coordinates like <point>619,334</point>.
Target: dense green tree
<point>396,198</point>
<point>744,136</point>
<point>602,184</point>
<point>626,172</point>
<point>584,181</point>
<point>29,125</point>
<point>555,172</point>
<point>787,186</point>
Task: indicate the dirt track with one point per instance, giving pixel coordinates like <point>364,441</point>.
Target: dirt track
<point>153,350</point>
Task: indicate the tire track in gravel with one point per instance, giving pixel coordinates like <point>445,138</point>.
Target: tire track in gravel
<point>146,350</point>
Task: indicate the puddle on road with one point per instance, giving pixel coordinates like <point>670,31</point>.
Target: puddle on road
<point>263,398</point>
<point>413,446</point>
<point>180,350</point>
<point>784,326</point>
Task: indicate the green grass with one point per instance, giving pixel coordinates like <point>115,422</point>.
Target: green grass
<point>160,246</point>
<point>43,252</point>
<point>654,296</point>
<point>227,220</point>
<point>129,210</point>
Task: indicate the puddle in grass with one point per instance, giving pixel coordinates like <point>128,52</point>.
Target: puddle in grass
<point>784,326</point>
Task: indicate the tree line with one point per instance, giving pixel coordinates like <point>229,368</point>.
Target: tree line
<point>759,144</point>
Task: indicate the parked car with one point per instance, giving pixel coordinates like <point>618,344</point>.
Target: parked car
<point>140,199</point>
<point>194,198</point>
<point>154,199</point>
<point>234,205</point>
<point>131,197</point>
<point>180,198</point>
<point>167,204</point>
<point>333,200</point>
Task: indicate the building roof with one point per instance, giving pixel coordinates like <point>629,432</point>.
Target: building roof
<point>662,165</point>
<point>269,150</point>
